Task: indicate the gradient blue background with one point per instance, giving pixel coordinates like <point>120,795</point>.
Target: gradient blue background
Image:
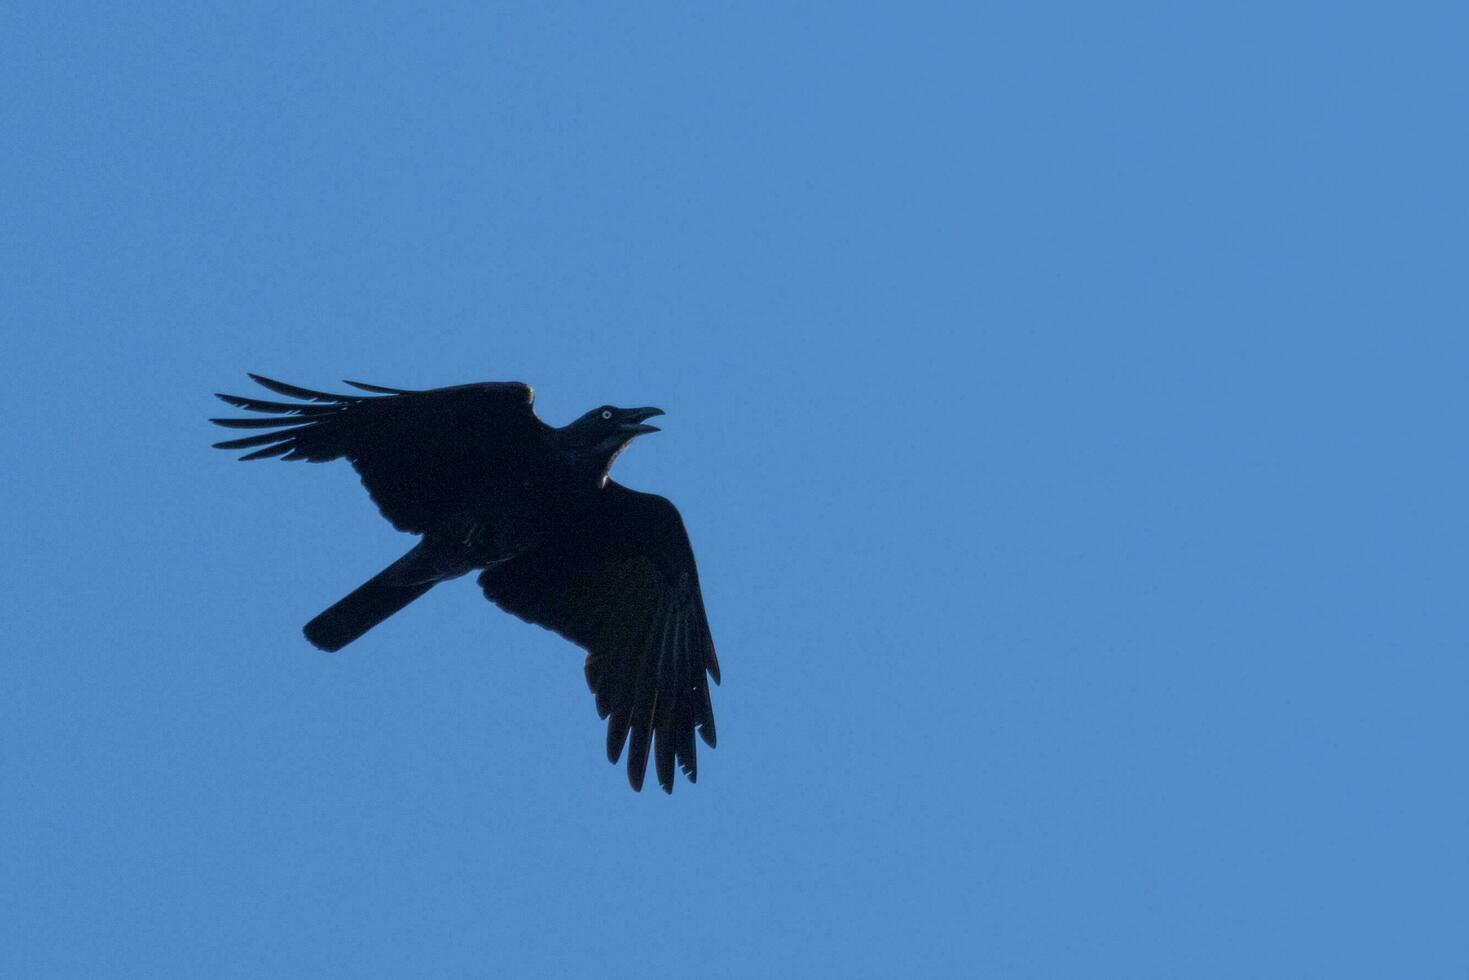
<point>1066,405</point>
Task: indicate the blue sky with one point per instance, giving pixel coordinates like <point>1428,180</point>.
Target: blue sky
<point>1065,404</point>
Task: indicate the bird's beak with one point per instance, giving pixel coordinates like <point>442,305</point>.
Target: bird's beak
<point>633,418</point>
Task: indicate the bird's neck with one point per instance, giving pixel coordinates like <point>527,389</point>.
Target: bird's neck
<point>587,466</point>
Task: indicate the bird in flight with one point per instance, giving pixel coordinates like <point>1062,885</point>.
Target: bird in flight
<point>490,487</point>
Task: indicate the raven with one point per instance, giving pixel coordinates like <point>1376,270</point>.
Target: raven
<point>491,487</point>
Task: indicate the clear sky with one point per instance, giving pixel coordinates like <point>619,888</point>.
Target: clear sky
<point>1066,403</point>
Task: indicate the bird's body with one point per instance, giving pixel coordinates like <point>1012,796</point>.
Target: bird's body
<point>490,487</point>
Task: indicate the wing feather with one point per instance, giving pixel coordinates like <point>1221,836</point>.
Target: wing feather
<point>379,389</point>
<point>291,391</point>
<point>625,587</point>
<point>423,456</point>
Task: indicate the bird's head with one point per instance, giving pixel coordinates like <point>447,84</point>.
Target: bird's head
<point>603,433</point>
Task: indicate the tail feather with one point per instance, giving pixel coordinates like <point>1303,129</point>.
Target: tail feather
<point>369,604</point>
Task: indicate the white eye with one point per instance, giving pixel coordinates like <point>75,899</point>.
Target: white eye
<point>606,413</point>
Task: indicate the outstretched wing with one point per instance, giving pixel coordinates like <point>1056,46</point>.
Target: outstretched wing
<point>421,454</point>
<point>624,587</point>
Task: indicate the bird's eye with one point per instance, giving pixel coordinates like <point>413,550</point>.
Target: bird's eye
<point>606,413</point>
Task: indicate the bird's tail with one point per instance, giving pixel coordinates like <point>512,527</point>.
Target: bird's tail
<point>374,601</point>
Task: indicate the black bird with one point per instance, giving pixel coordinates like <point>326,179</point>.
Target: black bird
<point>491,487</point>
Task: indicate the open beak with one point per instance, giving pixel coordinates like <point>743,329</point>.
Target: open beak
<point>633,419</point>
